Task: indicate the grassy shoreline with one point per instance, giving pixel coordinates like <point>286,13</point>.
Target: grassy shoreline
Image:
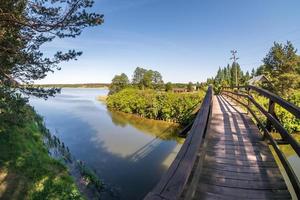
<point>27,171</point>
<point>102,98</point>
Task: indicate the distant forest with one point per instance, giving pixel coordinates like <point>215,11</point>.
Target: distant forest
<point>79,85</point>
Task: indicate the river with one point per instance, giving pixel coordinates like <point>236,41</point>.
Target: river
<point>128,153</point>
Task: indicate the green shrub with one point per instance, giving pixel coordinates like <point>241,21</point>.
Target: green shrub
<point>175,107</point>
<point>31,172</point>
<point>289,121</point>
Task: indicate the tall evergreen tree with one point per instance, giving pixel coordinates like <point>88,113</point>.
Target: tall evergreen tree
<point>25,26</point>
<point>281,66</point>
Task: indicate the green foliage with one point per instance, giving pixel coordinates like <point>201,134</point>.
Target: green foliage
<point>25,26</point>
<point>168,87</point>
<point>31,172</point>
<point>289,121</point>
<point>118,83</point>
<point>155,105</point>
<point>144,78</point>
<point>282,67</point>
<point>226,76</point>
<point>90,177</point>
<point>190,87</point>
<point>11,108</point>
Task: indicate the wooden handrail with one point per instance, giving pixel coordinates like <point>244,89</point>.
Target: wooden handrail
<point>293,109</point>
<point>172,183</point>
<point>277,125</point>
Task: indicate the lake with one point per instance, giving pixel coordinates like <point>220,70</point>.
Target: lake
<point>128,153</point>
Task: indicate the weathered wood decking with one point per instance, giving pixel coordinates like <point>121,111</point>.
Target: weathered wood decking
<point>234,163</point>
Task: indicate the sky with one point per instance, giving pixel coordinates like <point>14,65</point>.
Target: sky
<point>185,40</point>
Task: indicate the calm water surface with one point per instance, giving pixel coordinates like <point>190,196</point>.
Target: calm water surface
<point>127,152</point>
<point>293,159</point>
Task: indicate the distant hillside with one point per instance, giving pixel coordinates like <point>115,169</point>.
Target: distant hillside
<point>77,85</point>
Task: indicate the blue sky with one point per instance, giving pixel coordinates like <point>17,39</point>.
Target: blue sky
<point>185,40</point>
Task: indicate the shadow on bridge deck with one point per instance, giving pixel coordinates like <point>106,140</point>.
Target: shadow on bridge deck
<point>237,163</point>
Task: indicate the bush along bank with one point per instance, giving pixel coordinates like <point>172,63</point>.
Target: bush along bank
<point>87,180</point>
<point>36,165</point>
<point>167,106</point>
<point>26,169</point>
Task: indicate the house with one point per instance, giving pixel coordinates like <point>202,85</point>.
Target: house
<point>179,90</point>
<point>258,79</point>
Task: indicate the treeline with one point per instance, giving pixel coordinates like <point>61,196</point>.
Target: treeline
<point>142,79</point>
<point>148,79</point>
<point>281,68</point>
<point>147,95</point>
<point>75,85</point>
<point>230,75</point>
<point>151,104</point>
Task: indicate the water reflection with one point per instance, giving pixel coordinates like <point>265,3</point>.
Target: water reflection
<point>159,129</point>
<point>293,159</point>
<point>128,152</point>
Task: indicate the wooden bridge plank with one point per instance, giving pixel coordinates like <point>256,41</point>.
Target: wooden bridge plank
<point>240,157</point>
<point>173,182</point>
<point>243,184</point>
<point>233,162</point>
<point>237,163</point>
<point>242,176</point>
<point>239,193</point>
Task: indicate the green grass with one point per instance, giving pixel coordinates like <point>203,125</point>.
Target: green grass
<point>26,169</point>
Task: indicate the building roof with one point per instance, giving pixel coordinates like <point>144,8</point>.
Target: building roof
<point>256,79</point>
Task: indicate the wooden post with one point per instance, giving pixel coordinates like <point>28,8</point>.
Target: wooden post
<point>248,100</point>
<point>272,112</point>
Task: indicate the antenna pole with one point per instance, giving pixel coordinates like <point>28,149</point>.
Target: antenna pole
<point>235,58</point>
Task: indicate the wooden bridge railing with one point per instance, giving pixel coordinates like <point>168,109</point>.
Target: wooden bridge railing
<point>272,120</point>
<point>174,180</point>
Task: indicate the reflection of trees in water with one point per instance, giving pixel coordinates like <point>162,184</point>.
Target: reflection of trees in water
<point>287,149</point>
<point>292,158</point>
<point>159,129</point>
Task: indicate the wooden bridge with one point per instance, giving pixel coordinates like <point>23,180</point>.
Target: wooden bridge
<point>226,156</point>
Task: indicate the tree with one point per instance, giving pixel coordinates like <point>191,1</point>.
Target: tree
<point>157,80</point>
<point>281,66</point>
<point>190,87</point>
<point>168,87</point>
<point>198,86</point>
<point>228,74</point>
<point>144,78</point>
<point>261,70</point>
<point>118,83</point>
<point>235,70</point>
<point>25,26</point>
<point>138,75</point>
<point>253,73</point>
<point>247,76</point>
<point>147,81</point>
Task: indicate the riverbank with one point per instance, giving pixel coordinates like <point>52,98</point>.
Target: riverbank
<point>102,98</point>
<point>26,169</point>
<point>116,147</point>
